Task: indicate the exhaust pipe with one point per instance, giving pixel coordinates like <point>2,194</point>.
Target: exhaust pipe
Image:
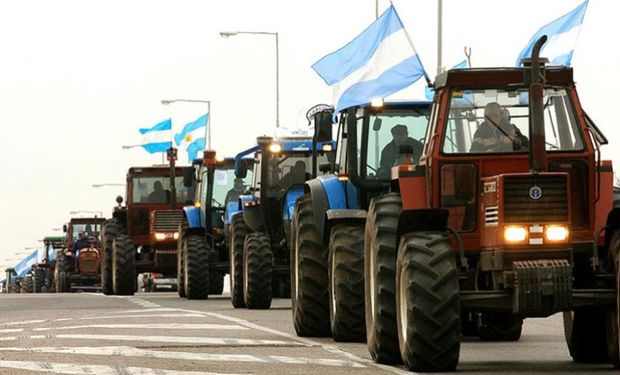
<point>537,157</point>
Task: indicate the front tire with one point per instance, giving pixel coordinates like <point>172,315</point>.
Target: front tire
<point>427,302</point>
<point>60,273</point>
<point>613,320</point>
<point>309,279</point>
<point>346,286</point>
<point>181,245</point>
<point>196,267</point>
<point>123,266</point>
<point>257,271</point>
<point>110,230</point>
<point>38,280</point>
<point>239,230</point>
<point>379,278</point>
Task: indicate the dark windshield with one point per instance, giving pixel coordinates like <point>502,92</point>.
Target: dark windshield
<point>156,190</point>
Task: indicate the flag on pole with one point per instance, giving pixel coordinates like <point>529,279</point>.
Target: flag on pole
<point>562,37</point>
<point>377,63</point>
<point>193,137</point>
<point>157,138</point>
<point>25,265</point>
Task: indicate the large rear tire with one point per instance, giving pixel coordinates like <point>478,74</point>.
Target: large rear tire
<point>60,273</point>
<point>181,245</point>
<point>613,318</point>
<point>27,284</point>
<point>196,267</point>
<point>257,271</point>
<point>379,278</point>
<point>346,286</point>
<point>50,283</point>
<point>309,279</point>
<point>239,230</point>
<point>585,334</point>
<point>110,230</point>
<point>427,302</point>
<point>38,280</point>
<point>123,266</point>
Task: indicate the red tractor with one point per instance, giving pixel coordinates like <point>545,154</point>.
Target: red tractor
<point>77,265</point>
<point>142,235</point>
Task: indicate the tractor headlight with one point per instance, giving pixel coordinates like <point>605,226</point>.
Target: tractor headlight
<point>160,236</point>
<point>515,234</point>
<point>275,148</point>
<point>556,233</point>
<point>328,147</point>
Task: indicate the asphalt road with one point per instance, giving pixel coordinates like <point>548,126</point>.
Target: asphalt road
<point>159,333</point>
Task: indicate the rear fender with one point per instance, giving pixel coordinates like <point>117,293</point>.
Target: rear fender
<point>289,202</point>
<point>328,193</point>
<point>421,220</point>
<point>347,215</point>
<point>613,223</point>
<point>253,216</point>
<point>192,214</point>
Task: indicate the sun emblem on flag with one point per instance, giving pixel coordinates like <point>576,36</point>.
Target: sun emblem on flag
<point>188,138</point>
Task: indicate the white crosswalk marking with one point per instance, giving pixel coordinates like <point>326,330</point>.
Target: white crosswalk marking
<point>227,327</point>
<point>177,315</point>
<point>75,369</point>
<point>128,351</point>
<point>166,339</point>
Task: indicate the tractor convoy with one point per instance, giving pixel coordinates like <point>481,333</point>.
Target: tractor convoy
<point>412,225</point>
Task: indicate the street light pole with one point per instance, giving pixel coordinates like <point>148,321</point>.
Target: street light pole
<point>226,34</point>
<point>102,185</point>
<point>210,122</point>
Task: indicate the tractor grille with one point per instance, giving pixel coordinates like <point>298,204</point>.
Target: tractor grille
<point>168,221</point>
<point>552,206</point>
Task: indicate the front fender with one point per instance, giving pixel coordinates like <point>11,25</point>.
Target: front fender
<point>192,214</point>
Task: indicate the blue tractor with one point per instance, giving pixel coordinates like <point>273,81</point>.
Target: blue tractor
<point>260,235</point>
<point>202,247</point>
<point>328,258</point>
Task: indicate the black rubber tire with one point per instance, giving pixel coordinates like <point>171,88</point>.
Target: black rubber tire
<point>60,269</point>
<point>500,327</point>
<point>27,286</point>
<point>38,279</point>
<point>613,319</point>
<point>196,267</point>
<point>216,283</point>
<point>309,278</point>
<point>123,266</point>
<point>346,286</point>
<point>110,230</point>
<point>50,284</point>
<point>239,230</point>
<point>257,271</point>
<point>427,302</point>
<point>585,333</point>
<point>380,278</point>
<point>181,245</point>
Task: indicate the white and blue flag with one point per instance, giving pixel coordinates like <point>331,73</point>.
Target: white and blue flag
<point>25,265</point>
<point>157,138</point>
<point>193,136</point>
<point>377,63</point>
<point>562,37</point>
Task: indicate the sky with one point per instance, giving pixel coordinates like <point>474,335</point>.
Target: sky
<point>79,78</point>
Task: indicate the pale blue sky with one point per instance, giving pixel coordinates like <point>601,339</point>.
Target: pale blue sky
<point>78,78</point>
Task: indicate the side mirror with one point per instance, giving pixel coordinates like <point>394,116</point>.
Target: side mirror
<point>119,199</point>
<point>189,177</point>
<point>376,125</point>
<point>325,168</point>
<point>405,149</point>
<point>323,122</point>
<point>242,170</point>
<point>64,228</point>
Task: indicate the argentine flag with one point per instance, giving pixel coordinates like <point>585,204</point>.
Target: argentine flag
<point>377,63</point>
<point>157,138</point>
<point>193,137</point>
<point>25,265</point>
<point>562,37</point>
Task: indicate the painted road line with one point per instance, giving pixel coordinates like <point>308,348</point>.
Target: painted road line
<point>75,369</point>
<point>188,326</point>
<point>128,351</point>
<point>207,341</point>
<point>178,315</point>
<point>140,311</point>
<point>327,347</point>
<point>23,322</point>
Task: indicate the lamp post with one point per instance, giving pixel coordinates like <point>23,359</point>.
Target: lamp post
<point>226,34</point>
<point>207,102</point>
<point>86,212</point>
<point>105,184</point>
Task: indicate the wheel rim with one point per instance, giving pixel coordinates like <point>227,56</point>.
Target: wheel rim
<point>371,277</point>
<point>332,283</point>
<point>402,302</point>
<point>232,262</point>
<point>296,270</point>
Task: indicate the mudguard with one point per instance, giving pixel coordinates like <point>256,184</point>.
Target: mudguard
<point>289,201</point>
<point>232,208</point>
<point>432,219</point>
<point>192,213</point>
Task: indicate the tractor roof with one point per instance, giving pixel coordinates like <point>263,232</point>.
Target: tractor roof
<point>158,170</point>
<point>485,77</point>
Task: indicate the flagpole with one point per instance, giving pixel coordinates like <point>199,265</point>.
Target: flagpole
<point>439,34</point>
